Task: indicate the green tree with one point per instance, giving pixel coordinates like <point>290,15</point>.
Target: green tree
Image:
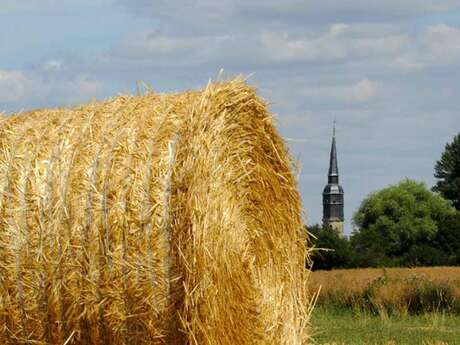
<point>369,247</point>
<point>331,250</point>
<point>447,171</point>
<point>399,226</point>
<point>448,239</point>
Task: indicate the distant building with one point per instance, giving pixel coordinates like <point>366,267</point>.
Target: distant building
<point>333,194</point>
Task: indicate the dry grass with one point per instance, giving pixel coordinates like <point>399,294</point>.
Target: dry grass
<point>393,290</point>
<point>157,219</point>
<point>427,342</point>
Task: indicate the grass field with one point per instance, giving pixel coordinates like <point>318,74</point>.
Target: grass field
<point>398,306</point>
<point>393,291</point>
<point>345,327</point>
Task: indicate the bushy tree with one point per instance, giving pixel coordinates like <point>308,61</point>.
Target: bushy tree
<point>331,250</point>
<point>400,226</point>
<point>369,248</point>
<point>448,239</point>
<point>447,171</point>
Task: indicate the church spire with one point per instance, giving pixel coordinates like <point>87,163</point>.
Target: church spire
<point>333,194</point>
<point>333,176</point>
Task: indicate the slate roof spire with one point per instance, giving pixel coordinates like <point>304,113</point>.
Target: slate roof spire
<point>333,176</point>
<point>333,196</point>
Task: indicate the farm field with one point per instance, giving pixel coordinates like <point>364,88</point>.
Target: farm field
<point>397,306</point>
<point>391,291</point>
<point>344,327</point>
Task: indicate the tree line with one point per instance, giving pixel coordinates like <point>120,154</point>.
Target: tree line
<point>404,225</point>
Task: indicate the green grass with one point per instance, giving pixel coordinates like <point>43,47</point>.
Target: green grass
<point>337,326</point>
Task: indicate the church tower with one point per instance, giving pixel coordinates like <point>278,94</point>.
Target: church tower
<point>333,194</point>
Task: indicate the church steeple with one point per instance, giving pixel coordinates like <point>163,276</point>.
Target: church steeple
<point>333,176</point>
<point>333,193</point>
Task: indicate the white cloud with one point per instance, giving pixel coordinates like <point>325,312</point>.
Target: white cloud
<point>152,44</point>
<point>407,63</point>
<point>53,65</point>
<point>79,89</point>
<point>261,46</point>
<point>337,29</point>
<point>22,89</point>
<point>14,86</point>
<point>32,5</point>
<point>362,91</point>
<point>436,45</point>
<point>279,46</point>
<point>329,46</point>
<point>382,41</point>
<point>224,12</point>
<point>443,41</point>
<point>380,46</point>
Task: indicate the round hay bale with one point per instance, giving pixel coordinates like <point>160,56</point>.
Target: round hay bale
<point>155,219</point>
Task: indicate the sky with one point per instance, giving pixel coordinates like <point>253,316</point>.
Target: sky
<point>386,71</point>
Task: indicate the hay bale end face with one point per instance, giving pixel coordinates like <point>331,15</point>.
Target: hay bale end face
<point>155,219</point>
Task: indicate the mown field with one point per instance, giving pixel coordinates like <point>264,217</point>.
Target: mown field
<point>419,306</point>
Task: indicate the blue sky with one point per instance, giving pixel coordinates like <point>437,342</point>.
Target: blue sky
<point>387,71</point>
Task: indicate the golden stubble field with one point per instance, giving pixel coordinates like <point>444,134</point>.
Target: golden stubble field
<point>390,290</point>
